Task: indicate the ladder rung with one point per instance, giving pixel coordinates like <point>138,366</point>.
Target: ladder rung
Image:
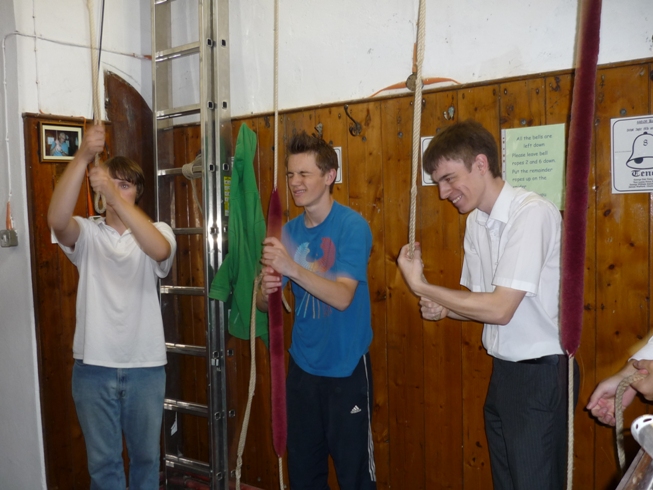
<point>174,172</point>
<point>188,231</point>
<point>189,464</point>
<point>185,407</point>
<point>178,111</point>
<point>184,290</point>
<point>191,350</point>
<point>178,51</point>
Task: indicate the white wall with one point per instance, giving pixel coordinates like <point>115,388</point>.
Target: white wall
<point>330,51</point>
<point>340,50</point>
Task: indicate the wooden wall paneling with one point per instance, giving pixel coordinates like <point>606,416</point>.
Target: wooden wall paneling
<point>133,131</point>
<point>47,270</point>
<point>622,255</point>
<point>558,110</point>
<point>335,132</point>
<point>55,286</point>
<point>405,349</point>
<point>442,256</point>
<point>522,103</point>
<point>481,104</point>
<point>364,174</point>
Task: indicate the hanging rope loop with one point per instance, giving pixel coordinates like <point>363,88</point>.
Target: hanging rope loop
<point>417,124</point>
<point>98,203</point>
<point>619,415</point>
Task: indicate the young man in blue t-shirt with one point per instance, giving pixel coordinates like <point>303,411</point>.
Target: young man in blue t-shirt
<point>324,253</point>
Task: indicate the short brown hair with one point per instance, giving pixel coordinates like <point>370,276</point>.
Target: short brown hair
<point>325,156</point>
<point>124,168</point>
<point>462,141</point>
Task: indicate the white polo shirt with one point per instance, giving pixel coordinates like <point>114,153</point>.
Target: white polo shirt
<point>645,353</point>
<point>118,313</point>
<point>517,246</point>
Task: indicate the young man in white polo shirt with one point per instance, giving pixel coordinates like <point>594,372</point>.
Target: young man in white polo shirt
<point>119,371</point>
<point>512,270</point>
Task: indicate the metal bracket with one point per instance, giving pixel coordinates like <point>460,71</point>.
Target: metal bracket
<point>356,128</point>
<point>8,238</point>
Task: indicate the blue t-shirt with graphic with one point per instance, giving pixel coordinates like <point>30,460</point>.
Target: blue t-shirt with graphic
<point>326,341</point>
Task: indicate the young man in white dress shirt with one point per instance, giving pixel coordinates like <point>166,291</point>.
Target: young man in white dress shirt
<point>512,270</point>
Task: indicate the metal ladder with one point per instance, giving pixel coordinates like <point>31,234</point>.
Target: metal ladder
<point>183,68</point>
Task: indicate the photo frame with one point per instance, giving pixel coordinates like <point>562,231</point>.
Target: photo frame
<point>59,142</point>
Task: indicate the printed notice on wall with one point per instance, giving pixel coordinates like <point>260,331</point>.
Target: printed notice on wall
<point>534,158</point>
<point>426,178</point>
<point>632,154</point>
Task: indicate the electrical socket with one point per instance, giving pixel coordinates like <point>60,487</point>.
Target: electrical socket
<point>8,238</point>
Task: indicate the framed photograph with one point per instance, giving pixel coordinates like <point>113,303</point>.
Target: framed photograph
<point>59,142</point>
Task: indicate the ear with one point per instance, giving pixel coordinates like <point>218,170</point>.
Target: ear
<point>331,176</point>
<point>481,162</point>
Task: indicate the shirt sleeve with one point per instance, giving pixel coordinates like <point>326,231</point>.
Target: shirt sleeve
<point>471,276</point>
<point>354,247</point>
<point>163,267</point>
<point>74,253</point>
<point>645,353</point>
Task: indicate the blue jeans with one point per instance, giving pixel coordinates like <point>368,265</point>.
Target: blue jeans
<point>110,402</point>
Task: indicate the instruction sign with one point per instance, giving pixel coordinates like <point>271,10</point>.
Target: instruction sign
<point>632,154</point>
<point>426,178</point>
<point>534,158</point>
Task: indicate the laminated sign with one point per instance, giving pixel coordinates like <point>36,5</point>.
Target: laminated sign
<point>632,154</point>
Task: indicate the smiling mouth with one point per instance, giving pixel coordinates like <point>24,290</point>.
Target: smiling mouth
<point>454,201</point>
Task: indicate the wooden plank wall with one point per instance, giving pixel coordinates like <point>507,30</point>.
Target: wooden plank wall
<point>430,379</point>
<point>55,289</point>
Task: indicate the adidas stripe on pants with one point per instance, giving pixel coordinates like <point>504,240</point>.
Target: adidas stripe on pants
<point>330,416</point>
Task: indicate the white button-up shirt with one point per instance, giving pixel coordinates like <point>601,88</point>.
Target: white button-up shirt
<point>517,246</point>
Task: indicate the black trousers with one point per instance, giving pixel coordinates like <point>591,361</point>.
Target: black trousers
<point>330,416</point>
<point>526,423</point>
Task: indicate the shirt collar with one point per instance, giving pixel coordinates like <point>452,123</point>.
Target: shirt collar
<point>501,209</point>
<point>102,222</point>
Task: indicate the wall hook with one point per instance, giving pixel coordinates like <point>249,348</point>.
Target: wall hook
<point>356,128</point>
<point>319,129</point>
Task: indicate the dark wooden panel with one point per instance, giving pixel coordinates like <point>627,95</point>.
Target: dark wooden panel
<point>439,223</point>
<point>335,132</point>
<point>622,253</point>
<point>522,103</point>
<point>363,161</point>
<point>558,110</point>
<point>481,104</point>
<point>133,131</point>
<point>55,288</point>
<point>405,347</point>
